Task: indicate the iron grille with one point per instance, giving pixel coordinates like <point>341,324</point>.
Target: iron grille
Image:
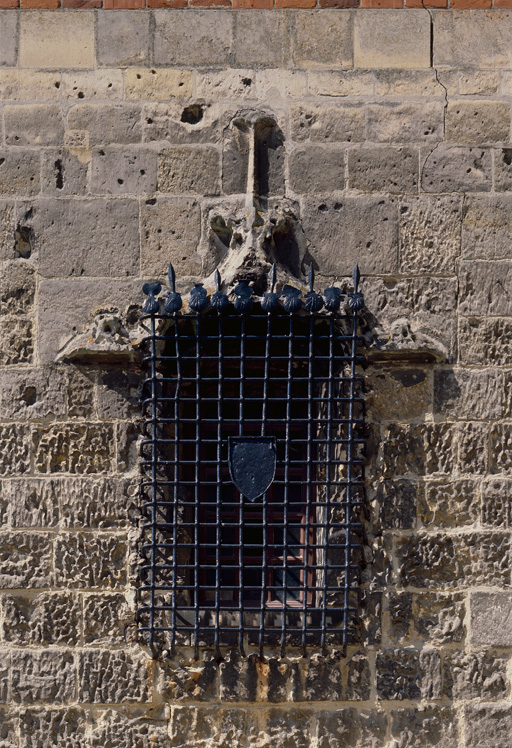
<point>253,478</point>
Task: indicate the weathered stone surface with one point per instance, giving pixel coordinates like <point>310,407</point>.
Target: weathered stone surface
<point>500,449</point>
<point>353,728</point>
<point>317,169</point>
<point>323,39</point>
<point>56,40</point>
<point>102,503</point>
<point>25,560</point>
<point>473,441</point>
<point>430,234</point>
<point>63,173</point>
<point>483,288</point>
<point>157,84</point>
<point>439,618</point>
<point>8,731</point>
<point>34,394</point>
<point>397,504</point>
<point>177,41</point>
<point>43,676</point>
<point>80,392</point>
<point>231,83</point>
<point>62,728</point>
<point>8,38</point>
<point>118,393</point>
<point>399,615</point>
<point>73,448</point>
<point>17,287</point>
<point>383,169</point>
<point>125,730</point>
<point>288,728</point>
<point>106,617</point>
<point>487,227</point>
<point>94,225</point>
<point>405,123</point>
<point>215,727</point>
<point>10,248</point>
<point>391,40</point>
<point>408,674</point>
<point>344,124</point>
<point>127,437</point>
<point>503,170</point>
<point>238,678</point>
<point>449,504</point>
<point>497,503</point>
<point>19,172</point>
<point>176,124</point>
<point>488,725</point>
<point>456,169</point>
<point>93,84</point>
<point>123,38</point>
<point>107,123</point>
<point>90,561</point>
<point>477,122</point>
<point>341,83</point>
<point>120,172</point>
<point>183,681</point>
<point>277,84</point>
<point>372,221</point>
<point>323,679</point>
<point>428,561</point>
<point>14,449</point>
<point>484,40</point>
<point>359,676</point>
<point>17,343</point>
<point>424,727</point>
<point>28,85</point>
<point>419,449</point>
<point>479,675</point>
<point>33,502</point>
<point>476,82</point>
<point>48,618</point>
<point>484,559</point>
<point>195,170</point>
<point>261,38</point>
<point>113,677</point>
<point>408,83</point>
<point>491,613</point>
<point>5,663</point>
<point>397,393</point>
<point>37,124</point>
<point>170,233</point>
<point>462,393</point>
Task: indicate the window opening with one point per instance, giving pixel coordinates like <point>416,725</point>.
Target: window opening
<point>253,475</point>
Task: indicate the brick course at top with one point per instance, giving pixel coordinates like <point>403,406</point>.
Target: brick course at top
<point>261,4</point>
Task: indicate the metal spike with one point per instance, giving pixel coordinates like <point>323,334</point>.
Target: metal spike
<point>272,276</point>
<point>172,278</point>
<point>217,279</point>
<point>311,276</point>
<point>356,275</point>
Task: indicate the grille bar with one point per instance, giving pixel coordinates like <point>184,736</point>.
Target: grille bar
<point>237,391</point>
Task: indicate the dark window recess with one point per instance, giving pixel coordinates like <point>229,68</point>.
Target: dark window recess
<point>253,482</point>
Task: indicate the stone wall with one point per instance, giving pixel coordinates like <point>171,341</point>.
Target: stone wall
<point>396,153</point>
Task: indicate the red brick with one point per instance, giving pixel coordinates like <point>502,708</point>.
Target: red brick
<point>382,4</point>
<point>210,3</point>
<point>82,4</point>
<point>464,4</point>
<point>503,3</point>
<point>8,3</point>
<point>264,4</point>
<point>124,4</point>
<point>295,3</point>
<point>46,4</point>
<point>426,3</point>
<point>339,3</point>
<point>167,3</point>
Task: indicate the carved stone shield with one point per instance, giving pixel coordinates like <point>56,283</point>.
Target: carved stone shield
<point>252,463</point>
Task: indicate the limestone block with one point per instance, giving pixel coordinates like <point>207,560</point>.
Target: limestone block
<point>63,173</point>
<point>277,84</point>
<point>120,171</point>
<point>399,615</point>
<point>17,287</point>
<point>397,394</point>
<point>238,678</point>
<point>157,84</point>
<point>10,247</point>
<point>212,727</point>
<point>408,674</point>
<point>484,288</point>
<point>343,123</point>
<point>170,233</point>
<point>8,38</point>
<point>61,728</point>
<point>490,619</point>
<point>430,234</point>
<point>43,676</point>
<point>107,123</point>
<point>383,169</point>
<point>80,391</point>
<point>183,170</point>
<point>353,728</point>
<point>484,39</point>
<point>17,342</point>
<point>48,618</point>
<point>19,172</point>
<point>472,441</point>
<point>73,448</point>
<point>184,681</point>
<point>8,727</point>
<point>95,503</point>
<point>405,123</point>
<point>363,223</point>
<point>118,394</point>
<point>392,39</point>
<point>501,444</point>
<point>123,38</point>
<point>323,39</point>
<point>503,170</point>
<point>26,560</point>
<point>397,504</point>
<point>196,123</point>
<point>406,83</point>
<point>126,730</point>
<point>105,618</point>
<point>233,84</point>
<point>477,122</point>
<point>4,504</point>
<point>478,675</point>
<point>261,38</point>
<point>288,729</point>
<point>462,393</point>
<point>341,83</point>
<point>34,124</point>
<point>484,559</point>
<point>449,504</point>
<point>14,453</point>
<point>317,169</point>
<point>84,561</point>
<point>91,84</point>
<point>417,449</point>
<point>496,503</point>
<point>113,677</point>
<point>439,618</point>
<point>282,679</point>
<point>56,40</point>
<point>87,231</point>
<point>454,169</point>
<point>323,679</point>
<point>487,227</point>
<point>424,727</point>
<point>5,662</point>
<point>178,42</point>
<point>33,502</point>
<point>480,82</point>
<point>359,676</point>
<point>488,725</point>
<point>29,85</point>
<point>34,394</point>
<point>428,561</point>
